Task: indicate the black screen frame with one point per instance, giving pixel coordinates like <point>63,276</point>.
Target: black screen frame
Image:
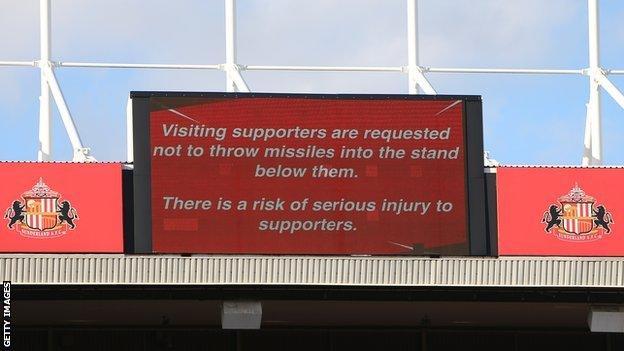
<point>476,217</point>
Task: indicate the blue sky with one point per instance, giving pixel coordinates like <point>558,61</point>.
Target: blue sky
<point>527,119</point>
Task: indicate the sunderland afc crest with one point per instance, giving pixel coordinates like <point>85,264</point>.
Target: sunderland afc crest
<point>41,213</point>
<point>577,218</point>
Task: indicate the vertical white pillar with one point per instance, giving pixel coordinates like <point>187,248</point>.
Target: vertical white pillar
<point>230,43</point>
<point>45,130</point>
<point>412,45</point>
<point>66,117</point>
<point>587,136</point>
<point>595,152</point>
<point>129,132</point>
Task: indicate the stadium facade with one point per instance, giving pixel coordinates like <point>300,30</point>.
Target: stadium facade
<point>535,264</point>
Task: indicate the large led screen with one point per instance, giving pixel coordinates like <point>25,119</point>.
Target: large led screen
<point>308,174</point>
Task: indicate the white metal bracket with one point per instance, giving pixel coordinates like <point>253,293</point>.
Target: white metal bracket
<point>488,161</point>
<point>615,93</point>
<point>232,71</point>
<point>81,153</point>
<point>417,79</point>
<point>49,84</point>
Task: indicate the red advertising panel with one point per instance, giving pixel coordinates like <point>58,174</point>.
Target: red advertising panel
<point>560,211</point>
<point>61,207</point>
<point>274,174</point>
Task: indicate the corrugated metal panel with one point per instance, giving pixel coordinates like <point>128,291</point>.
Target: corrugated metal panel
<point>313,270</point>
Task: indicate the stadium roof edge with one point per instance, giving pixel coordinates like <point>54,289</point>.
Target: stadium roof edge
<point>106,269</point>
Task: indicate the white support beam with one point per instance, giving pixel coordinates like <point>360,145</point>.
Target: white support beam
<point>594,154</point>
<point>81,154</point>
<point>129,132</point>
<point>502,70</point>
<point>233,74</point>
<point>18,63</point>
<point>134,65</point>
<point>412,45</point>
<point>587,137</point>
<point>230,45</point>
<point>615,93</point>
<point>323,68</point>
<point>528,71</point>
<point>45,116</point>
<point>416,77</point>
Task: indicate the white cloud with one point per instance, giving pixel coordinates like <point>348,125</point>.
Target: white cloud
<point>493,32</point>
<point>19,30</point>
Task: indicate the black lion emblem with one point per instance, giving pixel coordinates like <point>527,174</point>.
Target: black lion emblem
<point>552,217</point>
<point>67,214</point>
<point>15,213</point>
<point>603,218</point>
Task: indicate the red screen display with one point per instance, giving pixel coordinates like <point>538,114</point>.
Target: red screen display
<point>61,207</point>
<point>560,211</point>
<point>315,176</point>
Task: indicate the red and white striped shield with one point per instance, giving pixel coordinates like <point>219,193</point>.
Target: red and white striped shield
<point>41,213</point>
<point>577,217</point>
